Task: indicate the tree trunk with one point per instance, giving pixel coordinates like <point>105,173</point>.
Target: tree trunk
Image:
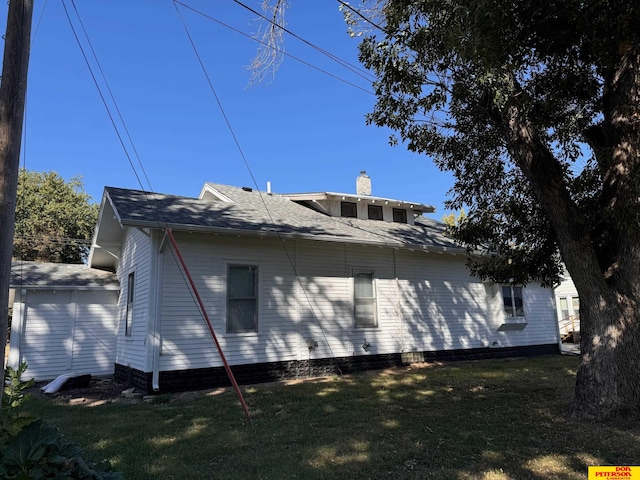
<point>608,377</point>
<point>13,88</point>
<point>603,260</point>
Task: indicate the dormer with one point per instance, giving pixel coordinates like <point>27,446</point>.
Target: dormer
<point>362,205</point>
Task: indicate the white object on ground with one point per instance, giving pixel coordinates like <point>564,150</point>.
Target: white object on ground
<point>55,385</point>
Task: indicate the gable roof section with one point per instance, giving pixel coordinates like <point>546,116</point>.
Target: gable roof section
<point>60,276</point>
<point>250,212</point>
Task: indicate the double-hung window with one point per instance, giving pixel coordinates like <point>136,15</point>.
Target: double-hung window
<point>364,299</point>
<point>564,308</point>
<point>128,318</point>
<point>512,298</point>
<point>242,298</point>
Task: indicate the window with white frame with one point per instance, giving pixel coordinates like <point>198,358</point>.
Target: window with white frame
<point>364,299</point>
<point>512,298</point>
<point>128,318</point>
<point>242,298</point>
<point>564,308</point>
<point>569,306</point>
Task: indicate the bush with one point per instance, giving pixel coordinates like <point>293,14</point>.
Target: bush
<point>33,449</point>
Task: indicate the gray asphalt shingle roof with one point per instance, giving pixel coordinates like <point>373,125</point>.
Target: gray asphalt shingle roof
<point>259,213</point>
<point>50,275</point>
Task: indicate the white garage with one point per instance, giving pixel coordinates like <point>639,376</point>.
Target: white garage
<point>64,319</point>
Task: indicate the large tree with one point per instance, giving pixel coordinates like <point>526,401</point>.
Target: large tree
<point>54,218</point>
<point>535,107</point>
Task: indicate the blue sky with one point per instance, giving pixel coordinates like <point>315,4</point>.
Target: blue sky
<point>303,130</point>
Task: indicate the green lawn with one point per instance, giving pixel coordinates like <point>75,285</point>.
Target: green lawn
<point>491,419</point>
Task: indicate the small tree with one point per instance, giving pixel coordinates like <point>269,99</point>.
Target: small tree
<point>55,219</point>
<point>451,220</point>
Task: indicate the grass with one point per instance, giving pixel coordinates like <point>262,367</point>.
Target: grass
<point>491,420</point>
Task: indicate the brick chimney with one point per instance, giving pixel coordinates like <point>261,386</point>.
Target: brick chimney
<point>363,184</point>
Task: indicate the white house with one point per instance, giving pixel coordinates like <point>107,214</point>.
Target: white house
<point>298,285</point>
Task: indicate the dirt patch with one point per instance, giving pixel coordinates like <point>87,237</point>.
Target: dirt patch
<point>98,391</point>
<point>101,390</point>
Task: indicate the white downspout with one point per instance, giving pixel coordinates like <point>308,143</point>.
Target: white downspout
<point>157,315</point>
<point>398,301</point>
<point>17,328</point>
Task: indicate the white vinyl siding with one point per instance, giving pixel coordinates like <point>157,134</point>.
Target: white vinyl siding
<point>135,257</point>
<point>540,318</point>
<point>423,301</point>
<point>443,307</point>
<point>58,332</point>
<point>186,341</point>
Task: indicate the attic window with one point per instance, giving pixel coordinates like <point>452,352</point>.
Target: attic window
<point>399,215</point>
<point>348,209</point>
<point>374,212</point>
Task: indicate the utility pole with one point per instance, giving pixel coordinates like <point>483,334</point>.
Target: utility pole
<point>13,88</point>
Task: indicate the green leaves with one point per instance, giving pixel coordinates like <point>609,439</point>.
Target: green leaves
<point>506,95</point>
<point>40,451</point>
<point>54,218</point>
<point>31,449</point>
<point>13,398</point>
<point>14,388</point>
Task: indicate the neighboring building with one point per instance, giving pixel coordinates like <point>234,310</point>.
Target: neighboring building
<point>568,309</point>
<point>298,285</point>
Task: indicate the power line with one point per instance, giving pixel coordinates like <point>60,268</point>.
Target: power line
<point>53,239</point>
<point>115,104</point>
<point>361,15</point>
<point>355,69</point>
<point>246,163</point>
<point>104,102</point>
<point>361,73</point>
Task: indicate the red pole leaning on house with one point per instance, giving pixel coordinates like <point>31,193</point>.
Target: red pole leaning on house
<point>206,317</point>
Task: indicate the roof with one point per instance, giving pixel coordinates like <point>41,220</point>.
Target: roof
<point>234,210</point>
<point>60,275</point>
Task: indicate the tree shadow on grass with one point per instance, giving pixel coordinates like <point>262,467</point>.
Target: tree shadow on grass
<point>494,419</point>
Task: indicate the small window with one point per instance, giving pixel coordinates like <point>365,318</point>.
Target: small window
<point>348,209</point>
<point>512,298</point>
<point>364,299</point>
<point>564,308</point>
<point>374,212</point>
<point>575,301</point>
<point>242,298</point>
<point>399,215</point>
<point>128,319</point>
